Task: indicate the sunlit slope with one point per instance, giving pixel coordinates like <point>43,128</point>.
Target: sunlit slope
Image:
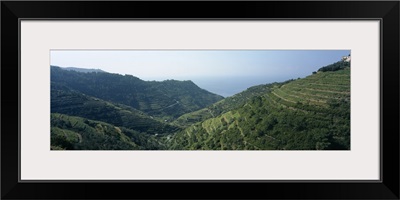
<point>224,105</point>
<point>76,133</point>
<point>305,114</point>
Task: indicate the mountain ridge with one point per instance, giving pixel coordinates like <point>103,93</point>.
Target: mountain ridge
<point>78,69</point>
<point>312,113</point>
<point>167,99</point>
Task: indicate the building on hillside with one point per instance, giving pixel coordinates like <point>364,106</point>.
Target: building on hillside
<point>346,58</point>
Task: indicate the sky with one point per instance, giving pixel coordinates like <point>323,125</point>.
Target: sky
<point>187,64</point>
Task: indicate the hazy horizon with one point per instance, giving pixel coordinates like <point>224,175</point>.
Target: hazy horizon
<point>209,69</point>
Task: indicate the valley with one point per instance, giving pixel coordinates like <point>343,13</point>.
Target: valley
<point>97,110</point>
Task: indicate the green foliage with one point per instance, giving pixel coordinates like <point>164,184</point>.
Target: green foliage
<point>312,113</point>
<point>335,66</point>
<point>167,99</point>
<point>289,117</point>
<point>75,103</point>
<point>224,105</point>
<point>76,133</point>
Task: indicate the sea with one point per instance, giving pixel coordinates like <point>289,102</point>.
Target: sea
<point>228,86</point>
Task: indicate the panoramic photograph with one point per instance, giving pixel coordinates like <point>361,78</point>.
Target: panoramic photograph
<point>200,100</point>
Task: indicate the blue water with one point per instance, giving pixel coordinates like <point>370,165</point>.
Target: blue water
<point>230,86</point>
<point>227,86</point>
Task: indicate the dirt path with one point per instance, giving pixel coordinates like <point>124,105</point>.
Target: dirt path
<point>283,98</point>
<point>329,91</point>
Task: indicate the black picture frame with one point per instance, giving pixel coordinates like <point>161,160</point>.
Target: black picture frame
<point>386,11</point>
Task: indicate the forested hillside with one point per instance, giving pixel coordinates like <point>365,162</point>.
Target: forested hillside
<point>305,114</point>
<point>76,133</point>
<point>96,110</point>
<point>66,101</point>
<point>166,99</point>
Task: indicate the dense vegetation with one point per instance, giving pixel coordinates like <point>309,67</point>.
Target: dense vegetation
<point>66,101</point>
<point>72,133</point>
<point>335,66</point>
<point>99,110</point>
<point>305,114</point>
<point>167,99</point>
<point>224,105</point>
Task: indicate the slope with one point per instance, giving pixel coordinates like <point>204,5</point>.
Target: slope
<point>66,101</point>
<point>167,99</point>
<point>84,70</point>
<point>305,114</point>
<point>224,105</point>
<point>76,133</point>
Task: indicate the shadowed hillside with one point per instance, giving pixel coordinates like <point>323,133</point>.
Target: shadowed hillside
<point>167,99</point>
<point>74,103</point>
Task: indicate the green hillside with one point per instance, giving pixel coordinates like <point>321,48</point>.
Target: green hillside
<point>224,105</point>
<point>102,111</point>
<point>167,99</point>
<point>335,66</point>
<point>76,133</point>
<point>305,114</point>
<point>66,101</point>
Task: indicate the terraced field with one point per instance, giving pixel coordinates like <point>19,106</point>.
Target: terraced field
<point>314,93</point>
<point>305,114</point>
<point>311,113</point>
<point>223,106</point>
